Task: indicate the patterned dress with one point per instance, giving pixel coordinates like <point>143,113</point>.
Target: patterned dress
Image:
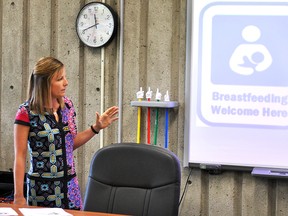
<point>51,179</point>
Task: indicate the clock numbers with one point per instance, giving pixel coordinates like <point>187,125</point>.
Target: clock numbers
<point>95,24</point>
<point>108,16</point>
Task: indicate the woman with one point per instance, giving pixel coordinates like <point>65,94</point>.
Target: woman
<point>45,125</point>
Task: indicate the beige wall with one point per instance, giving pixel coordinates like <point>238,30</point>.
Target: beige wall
<point>153,55</point>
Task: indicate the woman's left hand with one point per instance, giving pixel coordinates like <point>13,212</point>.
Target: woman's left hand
<point>104,120</point>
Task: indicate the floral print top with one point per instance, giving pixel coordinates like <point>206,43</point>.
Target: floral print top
<point>51,179</point>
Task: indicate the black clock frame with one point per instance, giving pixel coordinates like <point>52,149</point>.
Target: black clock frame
<point>115,18</point>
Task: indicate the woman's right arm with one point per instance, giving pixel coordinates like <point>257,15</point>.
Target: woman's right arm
<point>21,133</point>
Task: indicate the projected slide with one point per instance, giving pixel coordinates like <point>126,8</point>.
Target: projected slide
<point>238,89</point>
<point>243,63</point>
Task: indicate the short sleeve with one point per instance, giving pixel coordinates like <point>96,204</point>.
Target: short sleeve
<point>22,116</point>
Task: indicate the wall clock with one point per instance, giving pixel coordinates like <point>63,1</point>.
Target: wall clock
<point>96,24</point>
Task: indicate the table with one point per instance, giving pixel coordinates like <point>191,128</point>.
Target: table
<point>73,212</point>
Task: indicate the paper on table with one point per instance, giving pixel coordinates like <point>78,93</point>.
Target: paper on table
<point>43,211</point>
<point>7,211</point>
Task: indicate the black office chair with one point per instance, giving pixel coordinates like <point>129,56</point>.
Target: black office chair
<point>134,179</point>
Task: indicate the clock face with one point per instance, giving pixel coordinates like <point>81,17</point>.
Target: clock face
<point>96,24</point>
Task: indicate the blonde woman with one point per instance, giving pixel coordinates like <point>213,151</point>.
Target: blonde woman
<point>45,125</point>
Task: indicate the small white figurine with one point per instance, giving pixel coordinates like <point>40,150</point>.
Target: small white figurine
<point>158,95</point>
<point>166,96</point>
<point>140,94</point>
<point>149,94</point>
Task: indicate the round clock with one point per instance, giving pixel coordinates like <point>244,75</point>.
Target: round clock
<point>96,24</point>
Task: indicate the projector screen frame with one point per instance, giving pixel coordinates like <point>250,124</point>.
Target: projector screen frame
<point>188,86</point>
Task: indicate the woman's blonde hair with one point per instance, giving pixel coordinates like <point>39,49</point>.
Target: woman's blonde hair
<point>39,89</point>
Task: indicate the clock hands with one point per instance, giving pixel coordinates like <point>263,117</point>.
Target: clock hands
<point>96,24</point>
<point>91,25</point>
<point>95,21</point>
<point>87,28</point>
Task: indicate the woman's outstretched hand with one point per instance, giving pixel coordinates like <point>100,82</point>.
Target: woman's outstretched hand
<point>104,120</point>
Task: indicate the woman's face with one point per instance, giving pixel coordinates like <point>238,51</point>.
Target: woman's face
<point>59,84</point>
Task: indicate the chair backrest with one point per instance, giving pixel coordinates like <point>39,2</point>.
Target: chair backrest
<point>134,179</point>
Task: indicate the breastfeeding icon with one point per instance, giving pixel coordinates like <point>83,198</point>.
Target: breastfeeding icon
<point>250,57</point>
